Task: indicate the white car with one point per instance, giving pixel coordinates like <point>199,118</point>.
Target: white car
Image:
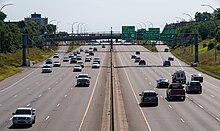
<point>83,80</point>
<point>95,64</point>
<point>77,68</point>
<point>46,69</point>
<point>56,64</point>
<point>56,55</point>
<point>24,116</point>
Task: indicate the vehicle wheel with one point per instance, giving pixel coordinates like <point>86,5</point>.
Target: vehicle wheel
<point>34,121</point>
<point>200,92</point>
<point>141,104</point>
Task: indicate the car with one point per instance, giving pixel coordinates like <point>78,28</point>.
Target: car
<point>95,49</point>
<point>171,58</point>
<point>83,80</point>
<point>86,51</point>
<point>77,68</point>
<point>56,64</point>
<point>96,59</point>
<point>47,69</point>
<point>90,49</point>
<point>79,62</point>
<point>95,64</point>
<point>78,52</point>
<point>166,63</point>
<point>56,55</point>
<point>81,50</point>
<point>166,50</point>
<point>71,55</point>
<point>75,53</point>
<point>73,60</point>
<point>193,87</point>
<point>162,83</point>
<point>87,59</point>
<point>91,53</point>
<point>137,52</point>
<point>197,77</point>
<point>103,46</point>
<point>148,97</point>
<point>24,116</point>
<point>133,56</point>
<point>66,59</point>
<point>137,59</point>
<point>79,57</point>
<point>142,62</point>
<point>49,61</point>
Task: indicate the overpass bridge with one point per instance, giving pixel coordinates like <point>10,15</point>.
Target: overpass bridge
<point>82,36</point>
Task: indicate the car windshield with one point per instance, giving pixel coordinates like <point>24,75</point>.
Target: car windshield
<point>21,112</point>
<point>150,94</point>
<point>46,67</point>
<point>176,86</point>
<point>195,84</point>
<point>163,80</point>
<point>83,76</point>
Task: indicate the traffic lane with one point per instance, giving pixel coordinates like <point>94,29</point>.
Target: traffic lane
<point>22,104</point>
<point>83,96</point>
<point>151,73</point>
<point>209,97</point>
<point>139,84</point>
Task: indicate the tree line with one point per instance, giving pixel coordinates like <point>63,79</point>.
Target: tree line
<point>11,34</point>
<point>206,25</point>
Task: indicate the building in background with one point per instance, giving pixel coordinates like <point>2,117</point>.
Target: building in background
<point>37,18</point>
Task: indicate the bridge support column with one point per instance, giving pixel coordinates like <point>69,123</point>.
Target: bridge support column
<point>196,48</point>
<point>24,46</point>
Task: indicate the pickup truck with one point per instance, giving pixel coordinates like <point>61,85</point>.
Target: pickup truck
<point>176,91</point>
<point>24,116</point>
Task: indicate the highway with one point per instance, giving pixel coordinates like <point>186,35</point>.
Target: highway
<point>60,106</point>
<point>197,112</point>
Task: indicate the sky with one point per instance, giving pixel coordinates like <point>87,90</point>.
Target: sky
<point>101,15</point>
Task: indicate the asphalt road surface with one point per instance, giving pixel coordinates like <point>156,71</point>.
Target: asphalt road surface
<point>199,112</point>
<point>59,104</point>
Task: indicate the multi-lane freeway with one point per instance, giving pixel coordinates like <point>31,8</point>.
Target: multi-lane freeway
<point>62,106</point>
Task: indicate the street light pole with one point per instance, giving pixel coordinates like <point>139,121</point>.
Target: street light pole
<point>57,25</point>
<point>189,16</point>
<point>4,6</point>
<point>51,21</point>
<point>72,27</point>
<point>150,23</point>
<point>215,25</point>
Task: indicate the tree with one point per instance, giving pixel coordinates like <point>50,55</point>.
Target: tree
<point>217,36</point>
<point>217,13</point>
<point>2,16</point>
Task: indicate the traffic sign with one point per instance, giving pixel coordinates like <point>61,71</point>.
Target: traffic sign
<point>167,36</point>
<point>151,35</point>
<point>128,33</point>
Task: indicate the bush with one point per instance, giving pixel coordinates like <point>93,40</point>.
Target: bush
<point>204,45</point>
<point>218,47</point>
<point>211,45</point>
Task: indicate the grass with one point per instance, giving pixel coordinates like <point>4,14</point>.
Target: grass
<point>207,63</point>
<point>10,63</point>
<point>71,48</point>
<point>151,48</point>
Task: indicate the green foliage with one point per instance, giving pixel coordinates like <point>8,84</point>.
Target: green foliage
<point>204,45</point>
<point>2,16</point>
<point>202,17</point>
<point>211,45</point>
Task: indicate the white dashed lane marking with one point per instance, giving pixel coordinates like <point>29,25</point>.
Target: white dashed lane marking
<point>28,105</point>
<point>170,106</point>
<point>47,117</point>
<point>40,95</point>
<point>58,105</point>
<point>182,120</point>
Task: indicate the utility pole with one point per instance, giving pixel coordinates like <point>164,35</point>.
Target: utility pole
<point>24,46</point>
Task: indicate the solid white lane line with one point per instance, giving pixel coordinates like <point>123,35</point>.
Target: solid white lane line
<point>58,105</point>
<point>17,82</point>
<point>170,106</point>
<point>47,117</point>
<point>182,120</point>
<point>90,100</point>
<point>142,112</point>
<point>28,105</point>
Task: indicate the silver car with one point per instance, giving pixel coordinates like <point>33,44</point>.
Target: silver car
<point>148,97</point>
<point>46,69</point>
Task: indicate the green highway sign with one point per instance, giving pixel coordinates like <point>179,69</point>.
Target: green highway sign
<point>156,30</point>
<point>164,36</point>
<point>128,33</point>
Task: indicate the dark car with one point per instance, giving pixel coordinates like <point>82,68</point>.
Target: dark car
<point>95,49</point>
<point>137,59</point>
<point>65,59</point>
<point>103,46</point>
<point>193,87</point>
<point>162,83</point>
<point>171,58</point>
<point>81,50</point>
<point>133,56</point>
<point>49,61</point>
<point>166,50</point>
<point>166,63</point>
<point>137,52</point>
<point>91,53</point>
<point>73,60</point>
<point>148,97</point>
<point>142,62</point>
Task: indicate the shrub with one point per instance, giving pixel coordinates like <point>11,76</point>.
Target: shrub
<point>211,45</point>
<point>204,45</point>
<point>218,47</point>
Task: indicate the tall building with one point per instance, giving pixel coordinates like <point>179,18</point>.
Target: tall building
<point>37,18</point>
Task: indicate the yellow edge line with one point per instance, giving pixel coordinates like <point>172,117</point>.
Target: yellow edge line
<point>145,119</point>
<point>87,108</point>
